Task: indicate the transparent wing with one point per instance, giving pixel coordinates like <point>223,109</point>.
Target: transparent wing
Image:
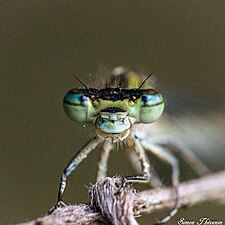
<point>203,133</point>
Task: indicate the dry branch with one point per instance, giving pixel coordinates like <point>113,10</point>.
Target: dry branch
<point>107,208</point>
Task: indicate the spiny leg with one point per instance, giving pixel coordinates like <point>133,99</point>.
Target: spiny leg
<point>104,155</point>
<point>181,149</point>
<point>171,160</point>
<point>155,180</point>
<point>145,167</point>
<point>75,161</point>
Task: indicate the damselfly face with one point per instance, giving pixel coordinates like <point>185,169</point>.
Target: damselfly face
<point>113,110</point>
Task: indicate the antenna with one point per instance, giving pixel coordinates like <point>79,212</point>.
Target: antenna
<point>81,82</point>
<point>144,81</point>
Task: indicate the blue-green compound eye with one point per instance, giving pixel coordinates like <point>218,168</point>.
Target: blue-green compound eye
<point>78,107</point>
<point>151,107</point>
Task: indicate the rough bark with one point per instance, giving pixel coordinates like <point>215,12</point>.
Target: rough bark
<point>106,207</point>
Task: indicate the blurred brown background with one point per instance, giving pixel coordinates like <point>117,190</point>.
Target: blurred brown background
<point>44,43</point>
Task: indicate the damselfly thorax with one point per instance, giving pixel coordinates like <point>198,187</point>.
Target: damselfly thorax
<point>117,112</point>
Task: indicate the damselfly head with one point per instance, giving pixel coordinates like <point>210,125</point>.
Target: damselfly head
<point>114,110</point>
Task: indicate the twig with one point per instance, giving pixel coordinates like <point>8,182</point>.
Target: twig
<point>108,208</point>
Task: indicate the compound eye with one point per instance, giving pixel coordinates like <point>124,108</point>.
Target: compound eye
<point>151,106</point>
<point>78,107</point>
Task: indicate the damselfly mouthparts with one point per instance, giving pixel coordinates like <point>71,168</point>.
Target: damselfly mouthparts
<point>119,112</point>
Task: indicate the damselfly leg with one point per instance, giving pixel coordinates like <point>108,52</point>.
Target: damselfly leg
<point>169,158</point>
<point>75,161</point>
<point>103,162</point>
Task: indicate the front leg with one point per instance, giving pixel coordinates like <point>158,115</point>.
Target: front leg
<point>75,161</point>
<point>145,168</point>
<point>155,180</point>
<point>104,156</point>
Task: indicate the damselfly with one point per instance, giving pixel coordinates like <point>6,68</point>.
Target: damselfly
<point>122,112</point>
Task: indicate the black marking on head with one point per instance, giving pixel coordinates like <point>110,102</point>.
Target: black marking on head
<point>113,94</point>
<point>113,110</point>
